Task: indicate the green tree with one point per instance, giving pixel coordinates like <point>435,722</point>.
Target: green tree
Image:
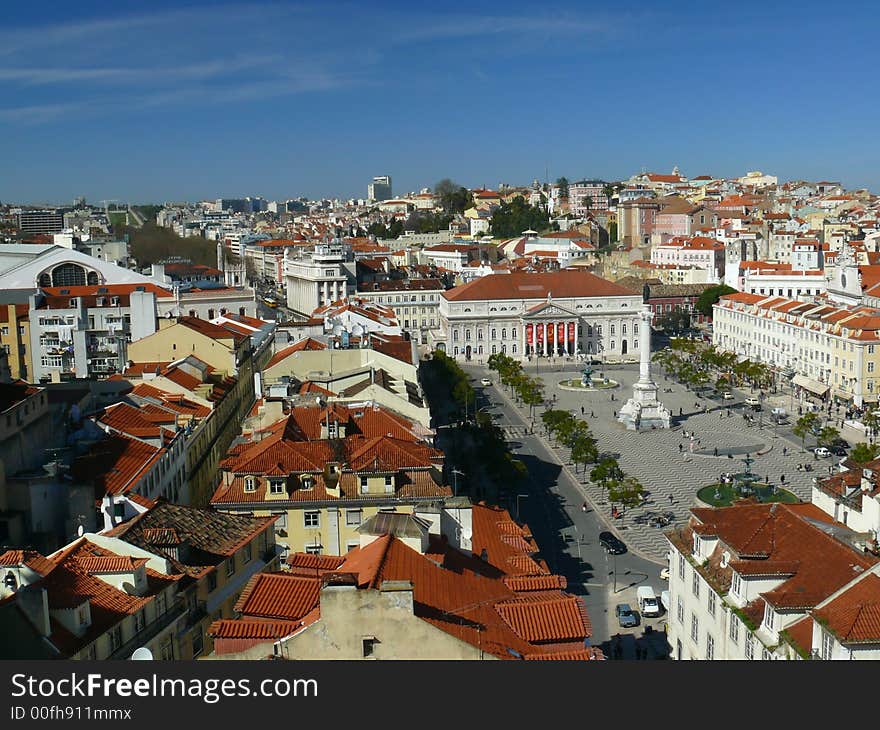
<point>612,232</point>
<point>628,491</point>
<point>676,320</point>
<point>553,418</point>
<point>862,453</point>
<point>605,471</point>
<point>804,426</point>
<point>512,218</point>
<point>709,298</point>
<point>584,451</point>
<point>871,421</point>
<point>562,184</point>
<point>827,436</point>
<point>587,202</point>
<point>608,191</point>
<point>452,197</point>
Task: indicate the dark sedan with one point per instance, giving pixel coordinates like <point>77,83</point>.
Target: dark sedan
<point>626,617</point>
<point>611,543</point>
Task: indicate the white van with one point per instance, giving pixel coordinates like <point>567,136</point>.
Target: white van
<point>648,603</point>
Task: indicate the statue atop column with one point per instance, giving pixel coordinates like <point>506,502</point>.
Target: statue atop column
<point>644,410</point>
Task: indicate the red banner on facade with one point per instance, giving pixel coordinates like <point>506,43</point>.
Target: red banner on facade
<point>540,332</point>
<point>560,332</point>
<point>571,331</point>
<point>551,333</point>
<point>529,333</point>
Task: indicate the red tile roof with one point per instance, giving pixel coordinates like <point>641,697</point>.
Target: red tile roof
<point>215,332</point>
<point>854,615</point>
<point>463,595</point>
<point>785,541</point>
<point>307,343</point>
<point>279,596</point>
<point>116,464</point>
<point>524,285</point>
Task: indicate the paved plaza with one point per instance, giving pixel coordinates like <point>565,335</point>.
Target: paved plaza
<point>672,476</point>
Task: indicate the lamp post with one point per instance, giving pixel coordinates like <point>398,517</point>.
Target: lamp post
<point>455,473</point>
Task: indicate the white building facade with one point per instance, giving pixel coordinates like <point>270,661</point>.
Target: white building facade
<point>525,315</point>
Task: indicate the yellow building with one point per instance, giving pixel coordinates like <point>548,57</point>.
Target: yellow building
<point>828,348</point>
<point>325,470</point>
<point>15,338</point>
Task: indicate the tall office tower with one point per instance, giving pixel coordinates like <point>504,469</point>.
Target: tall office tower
<point>380,188</point>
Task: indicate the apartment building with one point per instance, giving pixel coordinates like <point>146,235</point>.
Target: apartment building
<point>155,581</point>
<point>214,554</point>
<point>416,302</point>
<point>767,581</point>
<point>313,279</point>
<point>456,582</point>
<point>829,349</point>
<point>84,331</point>
<point>326,468</point>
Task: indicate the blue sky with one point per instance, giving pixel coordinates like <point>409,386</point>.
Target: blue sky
<point>187,100</point>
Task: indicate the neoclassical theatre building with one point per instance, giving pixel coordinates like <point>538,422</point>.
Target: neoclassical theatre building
<point>557,313</point>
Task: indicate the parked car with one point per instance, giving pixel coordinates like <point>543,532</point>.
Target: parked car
<point>612,544</point>
<point>822,452</point>
<point>664,600</point>
<point>486,381</point>
<point>752,401</point>
<point>648,603</point>
<point>838,450</point>
<point>727,395</point>
<point>626,617</point>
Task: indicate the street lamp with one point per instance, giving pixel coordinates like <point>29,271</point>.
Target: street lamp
<point>455,473</point>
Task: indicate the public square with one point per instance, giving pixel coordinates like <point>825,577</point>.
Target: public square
<point>663,460</point>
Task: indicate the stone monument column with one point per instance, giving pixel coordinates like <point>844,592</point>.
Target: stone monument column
<point>644,410</point>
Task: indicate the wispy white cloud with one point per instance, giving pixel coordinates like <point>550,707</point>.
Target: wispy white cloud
<point>38,113</point>
<point>208,69</point>
<point>443,27</point>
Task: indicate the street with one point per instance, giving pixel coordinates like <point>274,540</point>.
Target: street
<point>550,502</point>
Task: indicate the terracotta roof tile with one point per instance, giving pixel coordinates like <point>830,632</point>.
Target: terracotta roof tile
<point>854,615</point>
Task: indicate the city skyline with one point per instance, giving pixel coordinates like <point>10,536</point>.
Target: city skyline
<point>192,102</point>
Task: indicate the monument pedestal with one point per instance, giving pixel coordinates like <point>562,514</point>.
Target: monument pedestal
<point>644,410</point>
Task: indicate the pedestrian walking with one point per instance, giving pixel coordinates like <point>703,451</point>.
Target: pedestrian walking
<point>582,410</point>
<point>670,498</point>
<point>716,451</point>
<point>782,478</point>
<point>784,450</point>
<point>681,411</point>
<point>592,414</point>
<point>615,414</point>
<point>680,448</point>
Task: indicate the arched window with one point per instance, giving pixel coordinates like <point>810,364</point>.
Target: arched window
<point>44,280</point>
<point>504,333</point>
<point>92,278</point>
<point>494,334</point>
<point>69,275</point>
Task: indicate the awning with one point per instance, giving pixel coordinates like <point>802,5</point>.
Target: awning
<point>814,386</point>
